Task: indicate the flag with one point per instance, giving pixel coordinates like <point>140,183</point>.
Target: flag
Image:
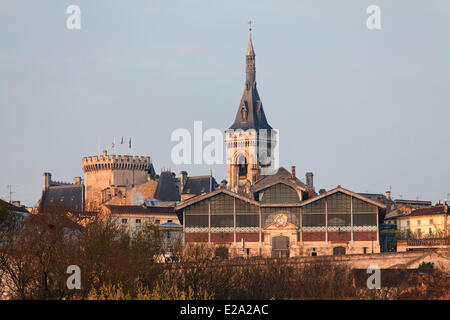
<point>121,141</point>
<point>129,144</point>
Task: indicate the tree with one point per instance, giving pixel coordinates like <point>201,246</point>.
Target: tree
<point>35,257</point>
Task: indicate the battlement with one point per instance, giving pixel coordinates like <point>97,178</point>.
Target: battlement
<point>110,162</point>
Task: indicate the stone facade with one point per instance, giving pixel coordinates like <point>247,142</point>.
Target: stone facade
<point>244,156</point>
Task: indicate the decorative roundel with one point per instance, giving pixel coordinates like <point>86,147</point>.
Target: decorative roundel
<point>280,220</point>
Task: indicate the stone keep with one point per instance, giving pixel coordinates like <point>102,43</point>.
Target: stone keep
<point>106,174</point>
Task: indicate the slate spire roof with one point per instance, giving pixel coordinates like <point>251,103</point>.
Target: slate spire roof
<point>250,114</point>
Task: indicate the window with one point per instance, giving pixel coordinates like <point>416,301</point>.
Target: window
<point>222,204</point>
<point>124,220</point>
<point>194,221</point>
<point>338,220</point>
<point>138,220</point>
<point>317,206</point>
<point>418,222</point>
<point>313,220</point>
<point>431,221</point>
<point>407,223</point>
<point>430,231</point>
<point>199,207</point>
<point>243,207</point>
<point>169,221</point>
<point>362,206</point>
<point>242,165</point>
<point>157,221</point>
<point>365,219</point>
<point>222,220</point>
<point>247,220</point>
<point>419,232</point>
<point>280,193</point>
<point>341,203</point>
<point>365,250</point>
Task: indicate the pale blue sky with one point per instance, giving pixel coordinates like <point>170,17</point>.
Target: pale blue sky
<point>363,109</point>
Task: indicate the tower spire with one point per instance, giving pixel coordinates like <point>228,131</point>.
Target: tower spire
<point>250,67</point>
<point>249,140</point>
<point>250,113</point>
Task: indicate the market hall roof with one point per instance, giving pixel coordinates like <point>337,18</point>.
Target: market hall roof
<point>199,198</point>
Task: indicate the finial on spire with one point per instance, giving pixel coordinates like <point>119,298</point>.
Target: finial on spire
<point>250,51</point>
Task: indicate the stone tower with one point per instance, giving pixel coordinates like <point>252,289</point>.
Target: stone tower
<point>108,175</point>
<point>250,140</point>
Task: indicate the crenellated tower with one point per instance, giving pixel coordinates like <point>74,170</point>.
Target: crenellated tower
<point>108,175</point>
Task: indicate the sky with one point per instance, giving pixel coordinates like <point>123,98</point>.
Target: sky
<point>365,109</point>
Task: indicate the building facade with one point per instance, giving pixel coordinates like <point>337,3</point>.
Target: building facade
<point>134,217</point>
<point>426,222</point>
<point>280,224</point>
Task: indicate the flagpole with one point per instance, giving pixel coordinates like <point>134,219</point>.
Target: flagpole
<point>129,146</point>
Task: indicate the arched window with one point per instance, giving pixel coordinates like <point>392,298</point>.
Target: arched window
<point>242,165</point>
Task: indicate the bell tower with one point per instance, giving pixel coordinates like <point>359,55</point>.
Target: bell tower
<point>250,140</point>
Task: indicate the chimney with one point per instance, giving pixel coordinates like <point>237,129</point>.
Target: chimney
<point>292,172</point>
<point>388,195</point>
<point>77,180</point>
<point>47,180</point>
<point>183,178</point>
<point>309,180</point>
